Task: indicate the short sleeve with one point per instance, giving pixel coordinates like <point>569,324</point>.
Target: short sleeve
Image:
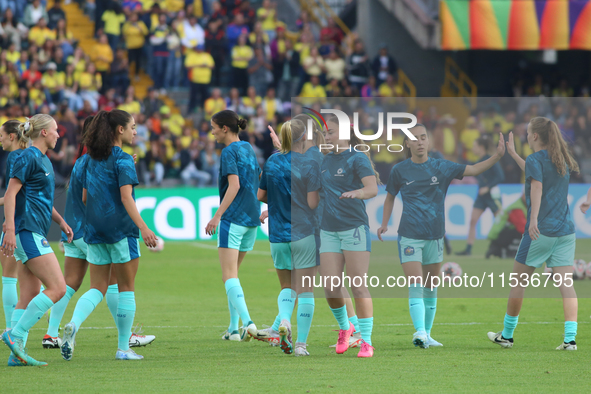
<point>362,166</point>
<point>533,169</point>
<point>313,177</point>
<point>393,185</point>
<point>126,174</point>
<point>229,162</point>
<point>263,183</point>
<point>452,170</point>
<point>22,169</point>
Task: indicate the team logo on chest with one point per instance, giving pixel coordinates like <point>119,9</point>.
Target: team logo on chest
<point>340,172</point>
<point>434,180</point>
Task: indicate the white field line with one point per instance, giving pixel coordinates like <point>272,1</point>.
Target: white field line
<point>335,325</point>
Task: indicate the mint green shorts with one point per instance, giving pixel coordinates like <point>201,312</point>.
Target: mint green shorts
<point>118,253</point>
<point>426,251</point>
<point>298,254</point>
<point>233,236</point>
<point>554,251</point>
<point>354,240</point>
<point>29,245</point>
<point>78,249</point>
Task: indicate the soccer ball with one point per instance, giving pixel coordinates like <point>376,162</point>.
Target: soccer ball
<point>61,247</point>
<point>548,270</point>
<point>588,271</point>
<point>579,269</point>
<point>451,270</point>
<point>159,246</point>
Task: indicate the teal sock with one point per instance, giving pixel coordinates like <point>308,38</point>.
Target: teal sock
<point>85,306</point>
<point>112,297</point>
<point>341,315</point>
<point>509,326</point>
<point>430,301</point>
<point>236,297</point>
<point>16,316</point>
<point>286,303</point>
<point>305,315</point>
<point>353,320</point>
<point>35,310</point>
<point>9,298</point>
<point>570,331</point>
<point>57,312</point>
<point>125,316</point>
<point>233,317</point>
<point>366,327</point>
<point>416,305</point>
<point>276,323</point>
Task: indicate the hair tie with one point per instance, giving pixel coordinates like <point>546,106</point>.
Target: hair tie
<point>300,137</point>
<point>27,126</point>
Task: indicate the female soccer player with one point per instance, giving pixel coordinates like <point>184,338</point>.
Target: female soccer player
<point>550,232</point>
<point>237,218</point>
<point>112,228</point>
<point>348,178</point>
<point>312,151</point>
<point>28,209</point>
<point>75,263</point>
<point>422,182</point>
<point>14,143</point>
<point>289,185</point>
<point>486,181</point>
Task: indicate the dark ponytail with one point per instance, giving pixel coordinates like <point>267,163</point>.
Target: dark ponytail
<point>102,131</point>
<point>229,119</point>
<point>85,127</point>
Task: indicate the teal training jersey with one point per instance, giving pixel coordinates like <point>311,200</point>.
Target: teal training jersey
<point>276,180</point>
<point>34,205</point>
<point>423,188</point>
<point>554,219</point>
<point>239,158</point>
<point>75,213</point>
<point>314,154</point>
<point>343,173</point>
<point>107,220</point>
<point>305,178</point>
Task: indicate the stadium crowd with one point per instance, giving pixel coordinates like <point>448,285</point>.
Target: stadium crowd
<point>231,54</point>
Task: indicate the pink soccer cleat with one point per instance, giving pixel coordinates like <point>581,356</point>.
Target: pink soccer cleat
<point>343,342</point>
<point>366,350</point>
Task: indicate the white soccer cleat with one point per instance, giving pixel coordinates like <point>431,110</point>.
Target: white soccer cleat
<point>127,355</point>
<point>572,345</point>
<point>137,340</point>
<point>420,339</point>
<point>68,341</point>
<point>248,332</point>
<point>268,335</point>
<point>231,336</point>
<point>51,342</point>
<point>499,340</point>
<point>432,342</point>
<point>300,349</point>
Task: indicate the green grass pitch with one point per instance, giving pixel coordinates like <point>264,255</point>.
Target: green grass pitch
<point>181,299</point>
